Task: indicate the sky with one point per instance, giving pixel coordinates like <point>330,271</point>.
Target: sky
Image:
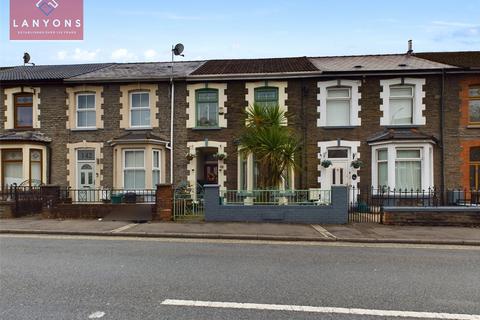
<point>145,30</point>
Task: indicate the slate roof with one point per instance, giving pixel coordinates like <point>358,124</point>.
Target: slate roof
<point>401,134</point>
<point>387,62</point>
<point>464,59</point>
<point>139,71</point>
<point>49,72</point>
<point>25,136</point>
<point>255,66</point>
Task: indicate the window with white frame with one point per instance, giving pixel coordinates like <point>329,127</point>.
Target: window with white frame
<point>156,167</point>
<point>134,169</point>
<point>401,104</point>
<point>382,167</point>
<point>140,109</point>
<point>403,166</point>
<point>243,167</point>
<point>338,106</point>
<point>207,108</point>
<point>408,169</point>
<point>86,114</point>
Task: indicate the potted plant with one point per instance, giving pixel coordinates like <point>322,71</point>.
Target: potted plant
<point>189,156</point>
<point>357,164</point>
<point>219,156</point>
<point>326,163</point>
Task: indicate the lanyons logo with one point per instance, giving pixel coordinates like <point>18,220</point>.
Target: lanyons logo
<point>46,6</point>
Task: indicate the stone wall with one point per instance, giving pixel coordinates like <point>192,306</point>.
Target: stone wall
<point>432,216</point>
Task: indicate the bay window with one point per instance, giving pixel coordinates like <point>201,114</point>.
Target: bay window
<point>405,166</point>
<point>408,169</point>
<point>134,169</point>
<point>12,166</point>
<point>338,106</point>
<point>140,109</point>
<point>36,165</point>
<point>155,168</point>
<point>86,115</point>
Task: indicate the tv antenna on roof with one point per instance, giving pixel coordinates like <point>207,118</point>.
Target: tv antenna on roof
<point>26,59</point>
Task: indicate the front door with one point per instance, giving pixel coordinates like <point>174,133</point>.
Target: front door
<point>86,176</point>
<point>339,173</point>
<point>211,173</point>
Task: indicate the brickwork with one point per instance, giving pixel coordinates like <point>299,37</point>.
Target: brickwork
<point>435,217</point>
<point>164,202</point>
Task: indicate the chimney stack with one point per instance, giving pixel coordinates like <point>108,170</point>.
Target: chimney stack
<point>410,47</point>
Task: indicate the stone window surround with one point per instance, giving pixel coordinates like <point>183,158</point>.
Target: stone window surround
<point>72,162</point>
<point>355,107</point>
<point>192,104</point>
<point>118,162</point>
<point>26,147</point>
<point>250,173</point>
<point>72,105</point>
<point>426,155</point>
<point>282,92</point>
<point>125,91</point>
<point>192,164</point>
<point>323,147</point>
<point>9,106</point>
<point>418,104</point>
<point>464,96</point>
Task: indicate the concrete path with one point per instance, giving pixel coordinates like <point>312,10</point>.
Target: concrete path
<point>249,231</point>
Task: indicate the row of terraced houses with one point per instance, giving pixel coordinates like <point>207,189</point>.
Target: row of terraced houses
<point>413,120</point>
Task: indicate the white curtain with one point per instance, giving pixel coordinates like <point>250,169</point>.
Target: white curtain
<point>13,173</point>
<point>408,175</point>
<point>36,169</point>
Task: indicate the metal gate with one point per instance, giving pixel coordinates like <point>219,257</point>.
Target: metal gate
<point>188,203</point>
<point>365,205</point>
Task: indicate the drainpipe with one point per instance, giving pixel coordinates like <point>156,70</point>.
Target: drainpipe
<point>442,128</point>
<point>172,103</point>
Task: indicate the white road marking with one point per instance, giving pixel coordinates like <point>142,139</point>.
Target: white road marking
<point>334,310</point>
<point>248,242</point>
<point>324,232</point>
<point>128,226</point>
<point>96,315</point>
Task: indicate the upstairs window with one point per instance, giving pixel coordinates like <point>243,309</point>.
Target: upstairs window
<point>140,109</point>
<point>401,105</point>
<point>86,117</point>
<point>23,115</point>
<point>207,108</point>
<point>338,106</point>
<point>266,96</point>
<point>474,105</point>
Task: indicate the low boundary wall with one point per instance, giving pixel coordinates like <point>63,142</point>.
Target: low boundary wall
<point>335,213</point>
<point>432,216</point>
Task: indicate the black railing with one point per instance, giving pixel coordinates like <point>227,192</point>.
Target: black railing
<point>366,204</point>
<point>107,195</point>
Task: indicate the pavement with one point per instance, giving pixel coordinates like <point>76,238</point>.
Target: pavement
<point>361,232</point>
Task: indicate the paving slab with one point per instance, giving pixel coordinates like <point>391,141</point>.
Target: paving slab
<point>60,225</point>
<point>426,233</point>
<point>220,228</point>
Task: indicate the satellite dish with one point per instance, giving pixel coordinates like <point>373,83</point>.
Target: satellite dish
<point>178,49</point>
<point>26,58</point>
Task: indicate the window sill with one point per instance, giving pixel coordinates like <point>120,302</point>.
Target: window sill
<point>206,128</point>
<point>338,127</point>
<point>399,126</point>
<point>84,129</point>
<point>473,126</point>
<point>139,128</point>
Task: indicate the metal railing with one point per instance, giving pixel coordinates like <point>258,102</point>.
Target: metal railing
<point>108,195</point>
<point>276,197</point>
<point>366,204</point>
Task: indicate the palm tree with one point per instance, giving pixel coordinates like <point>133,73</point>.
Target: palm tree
<point>273,144</point>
